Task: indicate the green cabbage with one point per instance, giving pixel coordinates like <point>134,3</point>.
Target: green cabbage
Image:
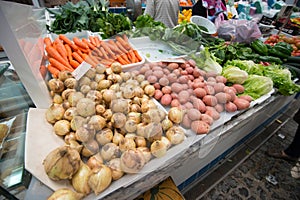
<point>234,74</point>
<point>247,65</point>
<point>257,86</point>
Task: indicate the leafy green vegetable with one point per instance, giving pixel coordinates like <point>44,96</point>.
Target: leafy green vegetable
<point>247,65</point>
<point>257,86</point>
<point>234,74</point>
<point>207,62</point>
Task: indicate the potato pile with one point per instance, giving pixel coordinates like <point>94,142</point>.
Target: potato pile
<point>201,95</point>
<point>110,119</point>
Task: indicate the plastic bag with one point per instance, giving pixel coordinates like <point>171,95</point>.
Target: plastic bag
<point>243,31</point>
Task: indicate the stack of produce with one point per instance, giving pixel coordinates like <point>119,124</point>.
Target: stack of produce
<point>110,126</point>
<point>293,41</point>
<point>65,54</point>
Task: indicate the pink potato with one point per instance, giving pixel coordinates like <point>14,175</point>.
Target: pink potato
<point>207,119</point>
<point>176,87</point>
<point>219,107</point>
<point>198,84</point>
<point>239,88</point>
<point>183,96</point>
<point>172,66</point>
<point>158,73</point>
<point>175,103</point>
<point>172,77</point>
<point>183,79</point>
<point>156,86</point>
<point>246,97</point>
<point>163,81</point>
<point>213,113</point>
<point>223,97</point>
<point>194,114</point>
<point>166,90</point>
<point>192,62</point>
<point>186,122</point>
<point>199,105</point>
<point>219,87</point>
<point>221,79</point>
<point>210,100</point>
<point>200,127</point>
<point>166,99</point>
<point>190,70</point>
<point>200,92</point>
<point>209,89</point>
<point>230,107</point>
<point>241,104</point>
<point>158,94</point>
<point>152,79</point>
<point>188,105</point>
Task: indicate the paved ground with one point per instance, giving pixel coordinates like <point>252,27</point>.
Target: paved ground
<point>244,173</point>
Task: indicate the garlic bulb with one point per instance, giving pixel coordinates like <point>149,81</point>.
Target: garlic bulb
<point>132,161</point>
<point>62,163</point>
<point>109,151</point>
<point>175,134</point>
<point>158,149</point>
<point>115,166</point>
<point>65,193</point>
<point>100,179</point>
<point>80,179</point>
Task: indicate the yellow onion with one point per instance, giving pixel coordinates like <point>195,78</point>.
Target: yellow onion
<point>54,113</point>
<point>109,151</point>
<point>115,166</point>
<point>104,136</point>
<point>132,161</point>
<point>65,193</point>
<point>100,179</point>
<point>127,143</point>
<point>140,141</point>
<point>167,142</point>
<point>90,148</point>
<point>75,145</point>
<point>158,149</point>
<point>62,163</point>
<point>95,161</point>
<point>166,124</point>
<point>175,114</point>
<point>80,179</point>
<point>117,137</point>
<point>62,127</point>
<point>175,134</point>
<point>146,152</point>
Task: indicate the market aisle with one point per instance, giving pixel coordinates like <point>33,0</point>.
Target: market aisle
<point>244,173</point>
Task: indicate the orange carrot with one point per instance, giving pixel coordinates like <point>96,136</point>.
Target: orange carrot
<point>65,39</point>
<point>123,42</point>
<point>93,58</point>
<point>97,40</point>
<point>121,47</point>
<point>53,70</point>
<point>104,53</point>
<point>121,60</point>
<point>84,50</point>
<point>125,38</point>
<point>61,49</point>
<point>53,53</point>
<point>132,56</point>
<point>77,57</point>
<point>137,55</point>
<point>92,40</point>
<point>74,47</point>
<point>58,65</point>
<point>108,50</point>
<point>47,41</point>
<point>69,51</point>
<point>74,63</point>
<point>79,43</point>
<point>88,59</point>
<point>113,46</point>
<point>125,57</point>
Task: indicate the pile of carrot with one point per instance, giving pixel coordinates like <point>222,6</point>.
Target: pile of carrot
<point>65,54</point>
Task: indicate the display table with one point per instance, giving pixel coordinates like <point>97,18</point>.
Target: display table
<point>200,157</point>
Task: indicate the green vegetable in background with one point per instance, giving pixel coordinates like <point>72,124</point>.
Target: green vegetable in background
<point>259,47</point>
<point>207,62</point>
<point>234,74</point>
<point>257,86</point>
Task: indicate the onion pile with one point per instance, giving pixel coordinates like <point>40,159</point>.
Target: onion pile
<point>110,124</point>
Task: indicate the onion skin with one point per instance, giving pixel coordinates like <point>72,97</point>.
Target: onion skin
<point>132,161</point>
<point>62,163</point>
<point>80,179</point>
<point>100,179</point>
<point>65,193</point>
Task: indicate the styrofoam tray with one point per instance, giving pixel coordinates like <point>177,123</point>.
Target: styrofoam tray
<point>153,51</point>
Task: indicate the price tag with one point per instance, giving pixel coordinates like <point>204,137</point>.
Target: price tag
<point>81,70</point>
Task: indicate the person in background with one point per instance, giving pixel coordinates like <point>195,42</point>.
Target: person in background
<point>292,152</point>
<point>165,11</point>
<point>208,8</point>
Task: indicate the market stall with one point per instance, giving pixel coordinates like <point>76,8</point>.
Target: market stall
<point>198,144</point>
